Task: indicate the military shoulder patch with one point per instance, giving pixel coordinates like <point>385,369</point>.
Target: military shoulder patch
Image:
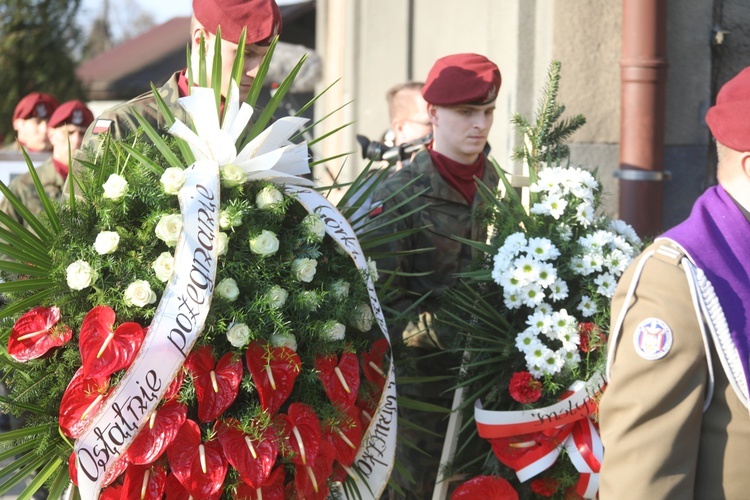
<point>101,126</point>
<point>652,339</point>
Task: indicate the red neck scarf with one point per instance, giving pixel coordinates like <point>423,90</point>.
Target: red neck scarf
<point>459,175</point>
<point>182,84</point>
<point>62,168</point>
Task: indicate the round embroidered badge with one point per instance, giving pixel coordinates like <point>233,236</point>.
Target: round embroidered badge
<point>652,339</point>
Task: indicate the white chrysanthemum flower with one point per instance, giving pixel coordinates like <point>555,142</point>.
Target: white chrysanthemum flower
<point>558,290</point>
<point>512,299</point>
<point>553,362</point>
<point>526,270</point>
<point>587,306</point>
<point>607,284</point>
<point>624,229</point>
<point>591,262</point>
<point>544,308</point>
<point>621,244</point>
<point>562,320</point>
<point>514,244</point>
<point>556,206</point>
<point>565,231</point>
<point>542,357</point>
<point>540,208</point>
<point>547,275</point>
<point>585,214</point>
<point>571,358</point>
<point>532,295</point>
<point>508,281</point>
<point>542,249</point>
<point>617,262</point>
<point>569,337</point>
<point>526,340</point>
<point>502,263</point>
<point>539,322</point>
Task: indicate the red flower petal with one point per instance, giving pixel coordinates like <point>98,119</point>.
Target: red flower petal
<point>81,400</point>
<point>374,362</point>
<point>253,457</point>
<point>154,439</point>
<point>216,385</point>
<point>302,428</point>
<point>272,489</point>
<point>144,483</point>
<point>346,436</point>
<point>112,493</point>
<point>104,351</point>
<point>274,370</point>
<point>117,468</point>
<point>311,480</point>
<point>35,333</point>
<point>340,378</point>
<point>174,489</point>
<point>175,386</point>
<point>202,477</point>
<point>488,487</point>
<point>524,388</point>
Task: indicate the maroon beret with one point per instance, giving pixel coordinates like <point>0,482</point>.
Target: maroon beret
<point>71,113</point>
<point>728,118</point>
<point>36,104</point>
<point>261,17</point>
<point>462,79</point>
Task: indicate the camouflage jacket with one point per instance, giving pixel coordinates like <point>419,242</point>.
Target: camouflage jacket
<point>446,215</point>
<point>23,187</point>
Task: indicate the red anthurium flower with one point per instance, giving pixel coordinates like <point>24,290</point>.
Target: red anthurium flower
<point>81,400</point>
<point>112,493</point>
<point>345,436</point>
<point>252,456</point>
<point>36,332</point>
<point>545,486</point>
<point>274,370</point>
<point>272,489</point>
<point>158,433</point>
<point>492,487</point>
<point>524,388</point>
<point>200,466</point>
<point>115,470</point>
<point>340,378</point>
<point>374,362</point>
<point>216,384</point>
<point>367,402</point>
<point>311,480</point>
<point>104,350</point>
<point>302,428</point>
<point>175,386</point>
<point>144,482</point>
<point>174,489</point>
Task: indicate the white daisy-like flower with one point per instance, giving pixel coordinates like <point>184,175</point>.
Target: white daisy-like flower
<point>547,275</point>
<point>587,306</point>
<point>539,322</point>
<point>617,262</point>
<point>514,244</point>
<point>565,231</point>
<point>562,320</point>
<point>542,249</point>
<point>571,358</point>
<point>540,208</point>
<point>502,263</point>
<point>512,299</point>
<point>551,362</point>
<point>532,295</point>
<point>559,290</point>
<point>544,308</point>
<point>607,284</point>
<point>569,337</point>
<point>526,339</point>
<point>508,280</point>
<point>585,214</point>
<point>557,206</point>
<point>624,229</point>
<point>526,270</point>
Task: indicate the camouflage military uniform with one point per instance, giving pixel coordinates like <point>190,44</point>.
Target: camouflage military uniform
<point>446,215</point>
<point>23,187</point>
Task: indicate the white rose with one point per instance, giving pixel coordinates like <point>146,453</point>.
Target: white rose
<point>340,289</point>
<point>238,334</point>
<point>310,299</point>
<point>139,294</point>
<point>334,332</point>
<point>304,269</point>
<point>172,180</point>
<point>276,296</point>
<point>232,175</point>
<point>163,266</point>
<point>168,229</point>
<point>230,218</point>
<point>106,242</point>
<point>314,226</point>
<point>266,243</point>
<point>372,268</point>
<point>115,187</point>
<point>269,198</point>
<point>362,318</point>
<point>227,288</point>
<point>223,243</point>
<point>80,275</point>
<point>284,340</point>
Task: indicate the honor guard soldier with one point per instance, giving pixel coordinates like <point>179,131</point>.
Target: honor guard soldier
<point>675,417</point>
<point>30,119</point>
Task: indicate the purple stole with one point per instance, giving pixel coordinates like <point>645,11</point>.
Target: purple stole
<point>717,238</point>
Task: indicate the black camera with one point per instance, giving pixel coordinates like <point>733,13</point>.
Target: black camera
<point>377,151</point>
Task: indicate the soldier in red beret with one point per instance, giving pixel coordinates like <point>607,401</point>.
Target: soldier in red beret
<point>262,19</point>
<point>30,122</point>
<point>440,196</point>
<point>675,418</point>
<point>65,131</point>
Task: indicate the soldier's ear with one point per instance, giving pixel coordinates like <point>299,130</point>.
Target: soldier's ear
<point>745,162</point>
<point>432,113</point>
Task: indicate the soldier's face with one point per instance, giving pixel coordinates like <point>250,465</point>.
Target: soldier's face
<point>63,135</point>
<point>460,132</point>
<point>253,57</point>
<point>32,133</point>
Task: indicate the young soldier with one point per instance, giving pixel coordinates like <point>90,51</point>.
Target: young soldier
<point>675,417</point>
<point>30,123</point>
<point>460,91</point>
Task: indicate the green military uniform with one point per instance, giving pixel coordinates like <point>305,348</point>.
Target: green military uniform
<point>23,187</point>
<point>660,439</point>
<point>447,215</point>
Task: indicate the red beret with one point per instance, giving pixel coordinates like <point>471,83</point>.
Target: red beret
<point>728,118</point>
<point>71,113</point>
<point>36,104</point>
<point>462,79</point>
<point>261,17</point>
